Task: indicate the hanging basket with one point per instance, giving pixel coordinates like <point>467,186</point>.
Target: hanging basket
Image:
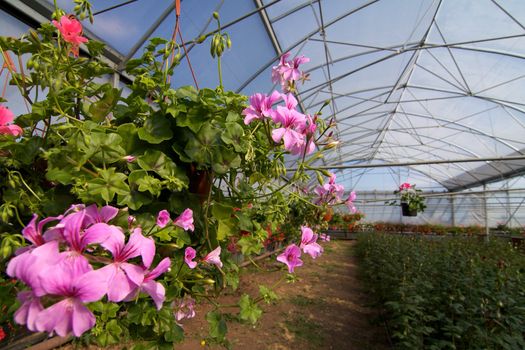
<point>200,182</point>
<point>406,210</point>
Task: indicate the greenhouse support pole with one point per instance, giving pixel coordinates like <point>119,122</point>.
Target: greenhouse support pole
<point>452,211</point>
<point>116,80</point>
<point>486,211</point>
<point>508,204</point>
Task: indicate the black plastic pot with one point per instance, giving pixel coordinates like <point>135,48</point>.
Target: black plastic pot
<point>406,210</point>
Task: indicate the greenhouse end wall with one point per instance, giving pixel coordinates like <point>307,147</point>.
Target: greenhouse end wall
<point>501,207</point>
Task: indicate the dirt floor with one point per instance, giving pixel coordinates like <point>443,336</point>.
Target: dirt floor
<point>325,309</point>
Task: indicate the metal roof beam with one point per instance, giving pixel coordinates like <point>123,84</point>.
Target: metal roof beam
<point>422,162</point>
<point>298,42</point>
<point>34,13</point>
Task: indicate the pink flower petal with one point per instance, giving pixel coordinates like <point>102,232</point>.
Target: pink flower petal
<point>162,267</point>
<point>99,233</point>
<point>290,257</point>
<point>29,310</point>
<point>156,291</point>
<point>56,318</point>
<point>6,116</point>
<point>185,220</point>
<point>91,286</point>
<point>189,255</point>
<point>119,285</point>
<point>213,257</point>
<point>82,319</point>
<point>163,218</point>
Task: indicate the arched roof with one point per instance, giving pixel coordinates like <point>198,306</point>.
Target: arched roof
<point>407,80</point>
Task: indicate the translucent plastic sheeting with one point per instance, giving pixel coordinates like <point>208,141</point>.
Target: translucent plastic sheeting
<point>407,80</point>
<point>500,207</point>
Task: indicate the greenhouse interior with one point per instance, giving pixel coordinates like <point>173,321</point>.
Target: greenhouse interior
<point>262,174</point>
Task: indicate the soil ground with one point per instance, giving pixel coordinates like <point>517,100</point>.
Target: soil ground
<point>326,308</point>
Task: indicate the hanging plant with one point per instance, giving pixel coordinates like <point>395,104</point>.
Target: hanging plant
<point>410,200</point>
<point>90,180</point>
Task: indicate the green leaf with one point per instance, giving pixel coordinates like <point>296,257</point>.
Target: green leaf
<point>129,134</point>
<point>224,160</point>
<point>201,148</point>
<point>141,313</point>
<point>232,280</point>
<point>156,129</point>
<point>134,199</point>
<point>108,184</point>
<point>233,117</point>
<point>165,326</point>
<point>175,109</point>
<point>193,119</point>
<point>226,228</point>
<point>150,184</point>
<point>245,222</point>
<point>106,146</point>
<point>156,161</point>
<point>217,323</point>
<point>26,151</point>
<point>60,175</point>
<point>114,330</point>
<point>95,47</point>
<point>268,295</point>
<point>183,238</point>
<point>249,245</point>
<point>99,110</point>
<point>221,211</point>
<point>187,92</point>
<point>249,312</point>
<point>233,135</point>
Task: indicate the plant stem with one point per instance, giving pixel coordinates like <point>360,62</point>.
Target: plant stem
<point>18,216</point>
<point>206,224</point>
<point>254,263</point>
<point>220,71</point>
<point>26,185</point>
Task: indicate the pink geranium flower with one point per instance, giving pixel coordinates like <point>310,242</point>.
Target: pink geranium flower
<point>154,289</point>
<point>290,257</point>
<point>291,122</point>
<point>287,71</point>
<point>260,107</point>
<point>184,308</point>
<point>129,159</point>
<point>329,193</point>
<point>307,144</point>
<point>213,257</point>
<point>324,237</point>
<point>278,71</point>
<point>309,243</point>
<point>26,268</point>
<point>72,231</point>
<point>350,202</point>
<point>6,117</point>
<point>71,31</point>
<point>289,101</point>
<point>76,287</point>
<point>405,186</point>
<point>185,220</point>
<point>189,255</point>
<point>29,310</point>
<point>291,69</point>
<point>163,218</point>
<point>33,232</point>
<point>123,278</point>
<point>95,215</point>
